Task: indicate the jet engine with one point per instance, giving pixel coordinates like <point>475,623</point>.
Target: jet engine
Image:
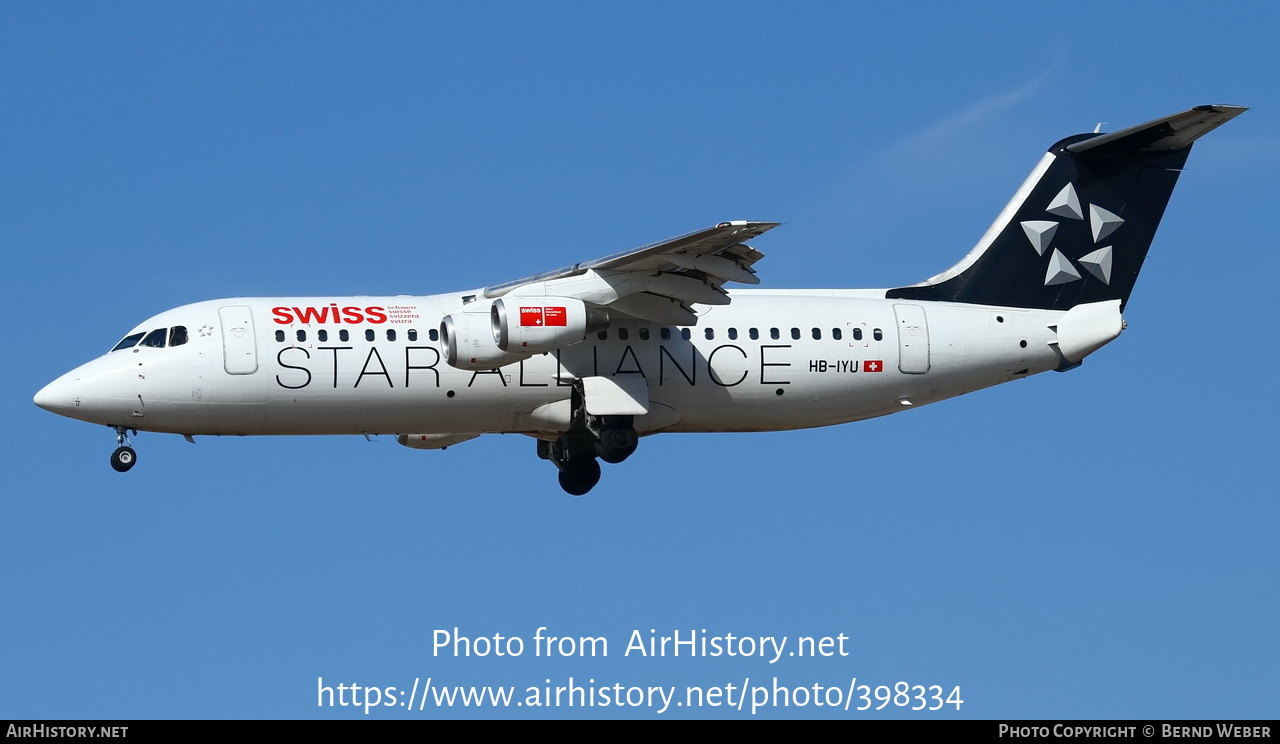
<point>466,338</point>
<point>513,329</point>
<point>535,325</point>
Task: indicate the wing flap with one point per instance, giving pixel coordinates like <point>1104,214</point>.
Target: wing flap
<point>687,289</point>
<point>655,309</point>
<point>656,282</point>
<point>724,269</point>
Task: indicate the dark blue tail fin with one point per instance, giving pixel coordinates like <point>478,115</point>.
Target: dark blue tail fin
<point>1080,226</point>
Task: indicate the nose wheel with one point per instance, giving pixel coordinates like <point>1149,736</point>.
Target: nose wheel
<point>124,457</point>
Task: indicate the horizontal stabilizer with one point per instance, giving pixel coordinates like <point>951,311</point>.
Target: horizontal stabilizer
<point>1172,132</point>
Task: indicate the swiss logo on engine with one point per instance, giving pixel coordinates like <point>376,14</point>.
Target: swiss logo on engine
<point>543,316</point>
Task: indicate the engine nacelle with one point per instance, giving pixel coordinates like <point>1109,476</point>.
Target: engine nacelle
<point>466,338</point>
<point>432,441</point>
<point>535,325</point>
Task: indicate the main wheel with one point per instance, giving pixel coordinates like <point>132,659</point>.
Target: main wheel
<point>580,475</point>
<point>616,445</point>
<point>123,459</point>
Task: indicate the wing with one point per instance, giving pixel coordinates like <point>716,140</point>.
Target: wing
<point>657,282</point>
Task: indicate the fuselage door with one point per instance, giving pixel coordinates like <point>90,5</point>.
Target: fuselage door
<point>913,339</point>
<point>239,343</point>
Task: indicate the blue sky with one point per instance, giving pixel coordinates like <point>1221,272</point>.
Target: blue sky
<point>1097,544</point>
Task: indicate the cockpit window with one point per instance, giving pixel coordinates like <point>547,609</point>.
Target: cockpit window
<point>177,336</point>
<point>128,342</point>
<point>155,339</point>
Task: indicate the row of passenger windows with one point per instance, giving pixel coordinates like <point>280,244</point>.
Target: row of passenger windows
<point>176,336</point>
<point>623,334</point>
<point>752,333</point>
<point>322,335</point>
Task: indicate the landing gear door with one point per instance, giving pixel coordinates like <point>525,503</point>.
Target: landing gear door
<point>239,342</point>
<point>913,339</point>
<point>616,396</point>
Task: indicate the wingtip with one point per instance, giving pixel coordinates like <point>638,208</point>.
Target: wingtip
<point>757,226</point>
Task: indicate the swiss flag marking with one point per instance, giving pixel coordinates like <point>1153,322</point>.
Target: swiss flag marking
<point>873,365</point>
<point>544,316</point>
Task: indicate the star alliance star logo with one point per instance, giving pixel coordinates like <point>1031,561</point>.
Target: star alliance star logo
<point>1102,222</point>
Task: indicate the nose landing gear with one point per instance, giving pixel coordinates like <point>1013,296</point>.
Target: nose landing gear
<point>124,457</point>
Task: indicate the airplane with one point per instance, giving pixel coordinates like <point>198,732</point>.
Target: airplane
<point>588,358</point>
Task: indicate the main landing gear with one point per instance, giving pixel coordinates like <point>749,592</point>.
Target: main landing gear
<point>610,438</point>
<point>124,457</point>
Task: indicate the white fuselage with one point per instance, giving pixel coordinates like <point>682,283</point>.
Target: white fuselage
<point>770,360</point>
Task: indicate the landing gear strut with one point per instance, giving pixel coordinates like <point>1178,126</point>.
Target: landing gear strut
<point>124,457</point>
<point>611,438</point>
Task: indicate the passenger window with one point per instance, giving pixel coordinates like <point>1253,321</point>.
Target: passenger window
<point>413,334</point>
<point>710,333</point>
<point>773,334</point>
<point>603,335</point>
<point>155,339</point>
<point>857,334</point>
<point>877,334</point>
<point>302,335</point>
<point>685,334</point>
<point>817,334</point>
<point>836,334</point>
<point>623,334</point>
<point>733,334</point>
<point>665,333</point>
<point>344,335</point>
<point>323,335</point>
<point>391,334</point>
<point>644,334</point>
<point>280,336</point>
<point>795,333</point>
<point>433,334</point>
<point>177,335</point>
<point>128,342</point>
<point>754,334</point>
<point>368,334</point>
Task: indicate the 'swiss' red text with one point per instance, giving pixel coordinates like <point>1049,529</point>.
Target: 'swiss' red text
<point>329,314</point>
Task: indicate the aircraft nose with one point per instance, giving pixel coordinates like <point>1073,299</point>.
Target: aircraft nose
<point>57,396</point>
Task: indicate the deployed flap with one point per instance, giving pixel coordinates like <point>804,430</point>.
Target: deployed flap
<point>665,278</point>
<point>616,396</point>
